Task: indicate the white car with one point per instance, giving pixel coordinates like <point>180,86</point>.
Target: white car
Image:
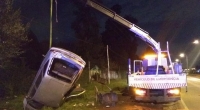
<point>55,79</point>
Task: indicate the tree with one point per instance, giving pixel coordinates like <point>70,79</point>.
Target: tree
<point>86,28</point>
<point>13,36</point>
<point>121,41</point>
<point>33,55</point>
<point>13,33</point>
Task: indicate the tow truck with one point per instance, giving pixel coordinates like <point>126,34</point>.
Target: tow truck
<point>154,83</point>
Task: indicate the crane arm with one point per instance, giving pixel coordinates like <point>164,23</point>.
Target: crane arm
<point>132,27</point>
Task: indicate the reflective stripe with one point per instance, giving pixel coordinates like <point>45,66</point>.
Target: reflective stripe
<point>159,85</point>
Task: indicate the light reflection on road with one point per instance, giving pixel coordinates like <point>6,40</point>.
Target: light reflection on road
<point>191,98</point>
<point>189,78</point>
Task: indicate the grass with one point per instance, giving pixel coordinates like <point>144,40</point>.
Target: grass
<point>85,101</point>
<point>12,103</point>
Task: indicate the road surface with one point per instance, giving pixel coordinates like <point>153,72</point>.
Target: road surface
<point>191,98</point>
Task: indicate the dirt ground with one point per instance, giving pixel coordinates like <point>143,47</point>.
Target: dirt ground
<point>126,103</point>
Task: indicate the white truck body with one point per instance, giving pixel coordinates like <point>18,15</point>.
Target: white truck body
<point>164,81</point>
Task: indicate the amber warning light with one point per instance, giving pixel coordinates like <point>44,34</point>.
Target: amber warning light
<point>148,56</point>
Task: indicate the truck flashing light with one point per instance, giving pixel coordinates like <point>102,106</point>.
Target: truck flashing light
<point>140,92</point>
<point>153,56</point>
<point>150,56</point>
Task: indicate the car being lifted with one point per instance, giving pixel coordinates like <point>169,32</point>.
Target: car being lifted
<point>55,79</point>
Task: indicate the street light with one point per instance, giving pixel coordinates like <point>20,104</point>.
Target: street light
<point>186,58</point>
<point>177,60</point>
<point>195,42</point>
<point>197,53</point>
<point>184,55</point>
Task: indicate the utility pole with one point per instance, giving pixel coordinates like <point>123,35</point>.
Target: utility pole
<point>89,71</point>
<point>187,70</point>
<point>108,66</point>
<point>51,8</point>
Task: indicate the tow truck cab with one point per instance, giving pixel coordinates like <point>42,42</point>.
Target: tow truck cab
<point>55,79</point>
<point>149,67</point>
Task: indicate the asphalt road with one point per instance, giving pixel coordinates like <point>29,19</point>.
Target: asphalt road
<point>190,100</point>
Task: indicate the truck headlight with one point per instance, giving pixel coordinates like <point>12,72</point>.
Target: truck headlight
<point>140,92</point>
<point>175,91</point>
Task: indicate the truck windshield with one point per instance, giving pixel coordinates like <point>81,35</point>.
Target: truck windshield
<point>63,70</point>
<point>151,70</point>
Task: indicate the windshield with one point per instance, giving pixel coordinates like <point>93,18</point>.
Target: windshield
<point>63,69</point>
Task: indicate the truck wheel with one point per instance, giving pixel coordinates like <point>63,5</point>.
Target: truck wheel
<point>131,91</point>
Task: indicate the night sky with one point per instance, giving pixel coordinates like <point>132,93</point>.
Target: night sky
<point>175,21</point>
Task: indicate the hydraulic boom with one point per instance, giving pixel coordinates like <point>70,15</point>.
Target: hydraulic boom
<point>132,27</point>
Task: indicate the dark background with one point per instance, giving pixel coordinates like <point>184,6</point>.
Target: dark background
<point>175,21</point>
